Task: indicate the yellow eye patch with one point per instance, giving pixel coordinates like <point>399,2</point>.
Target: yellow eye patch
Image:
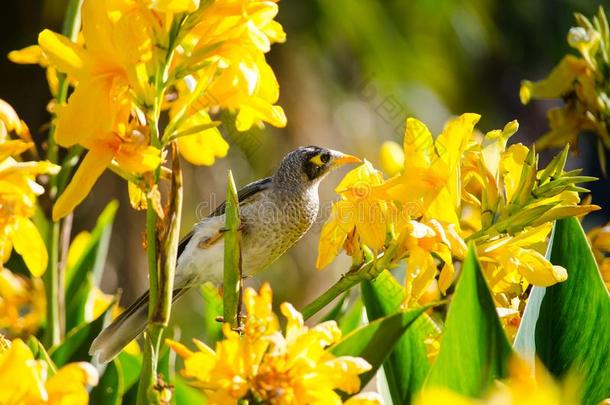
<point>316,160</point>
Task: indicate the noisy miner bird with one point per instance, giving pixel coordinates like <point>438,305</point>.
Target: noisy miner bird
<point>275,213</point>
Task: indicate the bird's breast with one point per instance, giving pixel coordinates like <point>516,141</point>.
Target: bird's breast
<point>272,227</point>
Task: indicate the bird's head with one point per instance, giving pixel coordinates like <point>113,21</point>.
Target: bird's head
<point>308,165</point>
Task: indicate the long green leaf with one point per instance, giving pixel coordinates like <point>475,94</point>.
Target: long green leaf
<point>474,349</point>
<point>573,328</point>
<point>87,272</point>
<point>212,309</point>
<point>75,346</point>
<point>109,390</point>
<point>131,366</point>
<point>232,255</point>
<point>407,366</point>
<point>525,340</point>
<point>353,318</point>
<point>374,342</point>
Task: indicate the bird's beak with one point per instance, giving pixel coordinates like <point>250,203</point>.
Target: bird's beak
<point>340,159</point>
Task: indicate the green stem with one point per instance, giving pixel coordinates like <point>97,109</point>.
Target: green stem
<point>161,251</point>
<point>148,379</point>
<point>51,282</point>
<point>169,251</point>
<point>54,330</point>
<point>232,257</point>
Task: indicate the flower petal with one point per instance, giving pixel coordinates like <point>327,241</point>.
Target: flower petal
<point>63,53</point>
<point>89,171</point>
<point>30,245</point>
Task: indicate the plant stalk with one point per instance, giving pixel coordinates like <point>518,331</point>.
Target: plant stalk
<point>232,258</point>
<point>55,310</point>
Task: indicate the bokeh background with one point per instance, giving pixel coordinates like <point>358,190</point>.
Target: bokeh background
<point>350,73</point>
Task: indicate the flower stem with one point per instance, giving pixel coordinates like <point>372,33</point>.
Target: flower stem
<point>232,258</point>
<point>55,310</point>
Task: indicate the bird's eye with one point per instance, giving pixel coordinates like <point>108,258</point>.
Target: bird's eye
<point>325,157</point>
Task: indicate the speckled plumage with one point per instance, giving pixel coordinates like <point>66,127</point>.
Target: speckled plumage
<point>275,212</point>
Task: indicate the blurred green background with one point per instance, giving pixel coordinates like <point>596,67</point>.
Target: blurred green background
<point>350,73</point>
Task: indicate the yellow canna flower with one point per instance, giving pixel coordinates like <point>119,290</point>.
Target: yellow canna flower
<point>432,169</point>
<point>578,81</point>
<point>25,380</point>
<point>462,186</point>
<point>223,58</point>
<point>293,367</point>
<point>511,257</point>
<point>22,304</point>
<point>18,193</point>
<point>359,215</point>
<point>425,242</point>
<point>110,70</point>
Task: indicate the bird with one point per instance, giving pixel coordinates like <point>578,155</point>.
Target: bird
<point>275,212</point>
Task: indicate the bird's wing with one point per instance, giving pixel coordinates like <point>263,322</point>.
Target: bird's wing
<point>243,195</point>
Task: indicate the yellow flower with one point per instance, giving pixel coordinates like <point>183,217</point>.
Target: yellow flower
<point>577,80</point>
<point>22,304</point>
<point>424,242</point>
<point>429,184</point>
<point>294,367</point>
<point>18,193</point>
<point>359,215</point>
<point>223,56</point>
<point>510,258</point>
<point>110,69</point>
<point>25,380</point>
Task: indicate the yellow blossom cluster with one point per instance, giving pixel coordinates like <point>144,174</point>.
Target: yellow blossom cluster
<point>137,58</point>
<point>25,380</point>
<point>525,386</point>
<point>22,304</point>
<point>582,82</point>
<point>446,191</point>
<point>18,193</point>
<point>268,366</point>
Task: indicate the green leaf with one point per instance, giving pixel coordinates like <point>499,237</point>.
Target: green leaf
<point>525,340</point>
<point>474,349</point>
<point>75,346</point>
<point>374,342</point>
<point>87,272</point>
<point>40,353</point>
<point>407,366</point>
<point>232,255</point>
<point>573,328</point>
<point>212,309</point>
<point>131,366</point>
<point>353,318</point>
<point>110,387</point>
<point>339,309</point>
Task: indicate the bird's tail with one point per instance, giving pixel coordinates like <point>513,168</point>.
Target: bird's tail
<point>125,328</point>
